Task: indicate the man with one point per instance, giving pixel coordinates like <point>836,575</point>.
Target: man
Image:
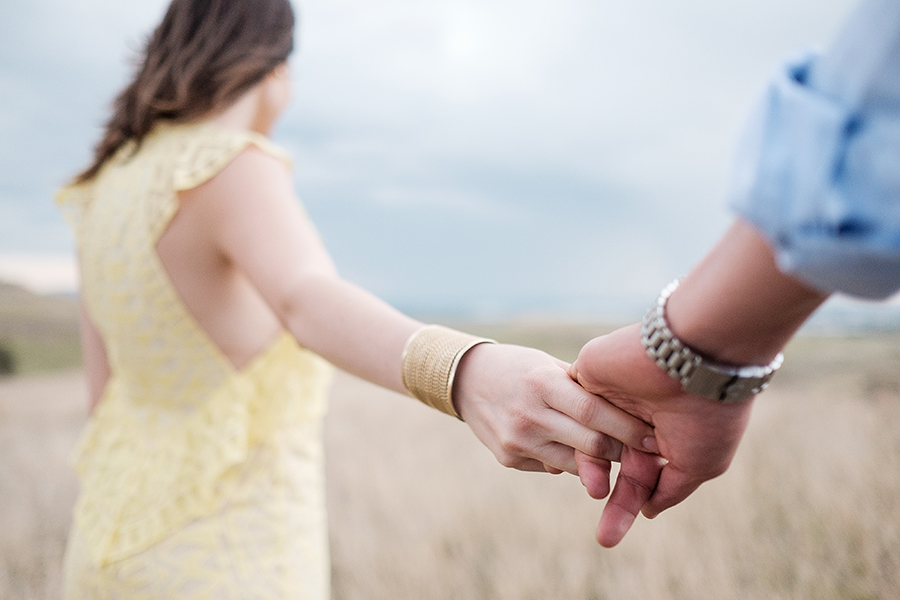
<point>817,191</point>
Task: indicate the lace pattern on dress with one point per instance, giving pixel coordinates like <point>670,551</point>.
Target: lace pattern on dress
<point>177,419</point>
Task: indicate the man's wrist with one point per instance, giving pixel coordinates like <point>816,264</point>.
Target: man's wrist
<point>695,373</point>
<point>736,306</point>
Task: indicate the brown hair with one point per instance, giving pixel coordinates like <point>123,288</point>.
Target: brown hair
<point>202,57</point>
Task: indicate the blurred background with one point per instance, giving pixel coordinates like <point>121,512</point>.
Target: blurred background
<point>486,159</point>
<point>530,170</point>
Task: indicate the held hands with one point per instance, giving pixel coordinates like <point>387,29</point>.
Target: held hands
<point>741,316</point>
<point>697,436</point>
<point>522,404</point>
<point>526,407</point>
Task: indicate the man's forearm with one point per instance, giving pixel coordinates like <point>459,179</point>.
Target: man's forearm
<point>736,307</point>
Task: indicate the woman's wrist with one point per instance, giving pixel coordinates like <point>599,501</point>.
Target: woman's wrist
<point>430,361</point>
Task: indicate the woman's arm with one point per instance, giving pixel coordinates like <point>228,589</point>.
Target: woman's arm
<point>519,401</point>
<point>259,226</point>
<point>96,364</point>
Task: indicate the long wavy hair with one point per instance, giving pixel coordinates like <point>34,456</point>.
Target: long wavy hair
<point>201,58</point>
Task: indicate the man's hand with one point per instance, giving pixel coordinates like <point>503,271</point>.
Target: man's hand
<point>697,436</point>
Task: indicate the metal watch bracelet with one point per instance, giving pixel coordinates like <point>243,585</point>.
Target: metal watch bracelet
<point>699,375</point>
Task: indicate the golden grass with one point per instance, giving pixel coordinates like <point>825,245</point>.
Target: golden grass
<point>41,332</point>
<point>418,509</point>
<point>40,419</point>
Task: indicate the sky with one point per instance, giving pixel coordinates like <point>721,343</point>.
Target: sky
<point>487,158</point>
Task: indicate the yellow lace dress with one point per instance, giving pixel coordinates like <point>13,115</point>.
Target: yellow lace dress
<point>197,480</point>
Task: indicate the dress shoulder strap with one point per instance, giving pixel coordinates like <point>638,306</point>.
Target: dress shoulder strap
<point>209,149</point>
<point>72,201</point>
<point>201,151</point>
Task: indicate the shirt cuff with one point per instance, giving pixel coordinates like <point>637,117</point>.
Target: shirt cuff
<point>821,180</point>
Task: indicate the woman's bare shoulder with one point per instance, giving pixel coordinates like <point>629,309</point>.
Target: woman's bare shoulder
<point>253,176</point>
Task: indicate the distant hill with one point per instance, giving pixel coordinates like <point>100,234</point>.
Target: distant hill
<point>39,332</point>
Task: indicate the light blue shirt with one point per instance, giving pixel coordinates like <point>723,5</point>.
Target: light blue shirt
<point>818,171</point>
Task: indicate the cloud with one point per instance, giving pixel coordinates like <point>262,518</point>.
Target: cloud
<point>40,273</point>
<point>463,52</point>
<point>453,154</point>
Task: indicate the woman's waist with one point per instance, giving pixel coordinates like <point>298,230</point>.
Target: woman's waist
<point>244,411</point>
<point>281,378</point>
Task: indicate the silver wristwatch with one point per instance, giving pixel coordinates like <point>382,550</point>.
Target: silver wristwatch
<point>696,374</point>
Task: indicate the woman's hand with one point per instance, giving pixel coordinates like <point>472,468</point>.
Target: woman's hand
<point>524,407</point>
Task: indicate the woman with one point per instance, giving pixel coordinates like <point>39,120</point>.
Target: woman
<point>210,308</point>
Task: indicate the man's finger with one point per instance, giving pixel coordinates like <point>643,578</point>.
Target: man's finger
<point>673,487</point>
<point>636,481</point>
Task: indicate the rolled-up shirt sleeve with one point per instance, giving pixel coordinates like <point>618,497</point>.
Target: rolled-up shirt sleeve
<point>818,170</point>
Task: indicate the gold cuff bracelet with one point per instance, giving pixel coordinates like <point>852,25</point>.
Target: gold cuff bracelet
<point>429,362</point>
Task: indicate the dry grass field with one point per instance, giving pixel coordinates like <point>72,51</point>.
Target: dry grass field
<point>41,332</point>
<point>418,509</point>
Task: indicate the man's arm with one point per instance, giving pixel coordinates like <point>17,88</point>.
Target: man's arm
<point>735,307</point>
<point>817,177</point>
